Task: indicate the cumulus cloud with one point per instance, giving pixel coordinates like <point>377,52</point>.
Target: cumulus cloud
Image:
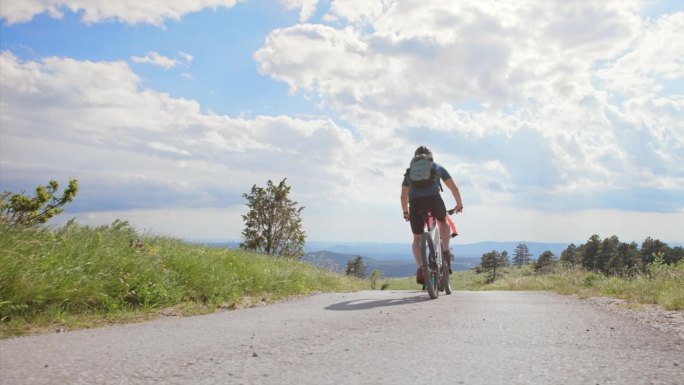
<point>128,11</point>
<point>98,125</point>
<point>423,54</point>
<point>486,73</point>
<point>534,107</point>
<point>656,56</point>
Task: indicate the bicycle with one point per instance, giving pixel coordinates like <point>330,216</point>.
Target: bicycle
<point>435,267</point>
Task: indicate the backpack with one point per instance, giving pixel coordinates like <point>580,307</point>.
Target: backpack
<point>421,172</point>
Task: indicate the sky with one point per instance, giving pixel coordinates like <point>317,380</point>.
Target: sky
<point>557,120</point>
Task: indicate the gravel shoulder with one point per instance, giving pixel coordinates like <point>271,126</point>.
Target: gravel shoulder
<point>669,321</point>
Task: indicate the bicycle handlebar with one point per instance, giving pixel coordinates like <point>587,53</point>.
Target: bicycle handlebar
<point>452,211</point>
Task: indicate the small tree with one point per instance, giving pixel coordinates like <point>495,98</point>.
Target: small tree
<point>18,209</point>
<point>522,255</point>
<point>492,263</point>
<point>273,225</point>
<point>504,259</point>
<point>374,277</point>
<point>356,268</point>
<point>650,247</point>
<point>569,256</point>
<point>545,262</point>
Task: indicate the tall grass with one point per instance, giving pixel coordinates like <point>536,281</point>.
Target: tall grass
<point>662,284</point>
<point>51,276</point>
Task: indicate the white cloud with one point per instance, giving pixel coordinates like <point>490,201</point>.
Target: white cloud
<point>155,58</point>
<point>489,69</point>
<point>97,125</point>
<point>185,57</point>
<point>306,7</point>
<point>543,105</point>
<point>432,56</point>
<point>128,11</point>
<point>357,11</point>
<point>657,55</point>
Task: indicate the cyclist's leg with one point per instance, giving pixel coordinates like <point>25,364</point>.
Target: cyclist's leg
<point>416,209</point>
<point>416,249</point>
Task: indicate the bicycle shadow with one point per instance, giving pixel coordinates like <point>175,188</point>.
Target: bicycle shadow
<point>366,304</point>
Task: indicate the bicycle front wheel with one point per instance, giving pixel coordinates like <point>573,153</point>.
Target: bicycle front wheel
<point>430,275</point>
<point>446,279</point>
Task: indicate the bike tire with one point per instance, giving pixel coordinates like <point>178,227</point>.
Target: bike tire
<point>446,279</point>
<point>430,278</point>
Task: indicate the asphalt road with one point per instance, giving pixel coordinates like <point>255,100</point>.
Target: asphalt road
<point>370,337</point>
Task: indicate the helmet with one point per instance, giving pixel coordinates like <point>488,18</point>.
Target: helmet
<point>422,150</point>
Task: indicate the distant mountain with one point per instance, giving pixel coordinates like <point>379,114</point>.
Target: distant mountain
<point>396,259</point>
<point>328,260</point>
<point>217,244</point>
<point>394,251</point>
<point>391,268</point>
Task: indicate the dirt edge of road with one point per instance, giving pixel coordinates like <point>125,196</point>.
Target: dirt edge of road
<point>669,321</point>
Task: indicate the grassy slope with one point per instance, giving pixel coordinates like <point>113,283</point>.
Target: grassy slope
<point>78,277</point>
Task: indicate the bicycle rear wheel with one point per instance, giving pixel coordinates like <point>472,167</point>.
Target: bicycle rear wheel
<point>430,275</point>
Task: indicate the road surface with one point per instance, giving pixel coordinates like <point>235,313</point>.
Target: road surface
<point>368,337</point>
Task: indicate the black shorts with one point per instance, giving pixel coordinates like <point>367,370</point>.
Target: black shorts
<point>417,206</point>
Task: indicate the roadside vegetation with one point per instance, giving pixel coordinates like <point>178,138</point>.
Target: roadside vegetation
<point>75,276</point>
<point>662,285</point>
<point>659,283</point>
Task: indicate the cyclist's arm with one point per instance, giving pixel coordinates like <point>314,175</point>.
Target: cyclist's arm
<point>404,199</point>
<point>454,191</point>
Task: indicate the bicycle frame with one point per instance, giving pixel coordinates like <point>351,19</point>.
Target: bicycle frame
<point>435,270</point>
<point>431,254</point>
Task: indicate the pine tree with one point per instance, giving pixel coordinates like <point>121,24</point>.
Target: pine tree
<point>588,252</point>
<point>607,258</point>
<point>356,268</point>
<point>273,225</point>
<point>569,255</point>
<point>522,255</point>
<point>545,262</point>
<point>492,263</point>
<point>650,247</point>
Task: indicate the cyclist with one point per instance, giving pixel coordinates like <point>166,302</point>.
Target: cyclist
<point>415,200</point>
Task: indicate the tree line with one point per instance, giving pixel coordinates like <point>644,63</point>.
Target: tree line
<point>608,256</point>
